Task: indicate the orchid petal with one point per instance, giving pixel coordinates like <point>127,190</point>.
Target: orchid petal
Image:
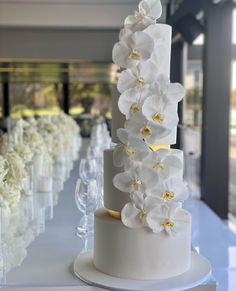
<point>123,181</point>
<point>119,156</point>
<point>175,92</point>
<point>130,216</point>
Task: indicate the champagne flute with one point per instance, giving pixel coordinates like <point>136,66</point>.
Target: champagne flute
<point>88,169</point>
<point>86,198</point>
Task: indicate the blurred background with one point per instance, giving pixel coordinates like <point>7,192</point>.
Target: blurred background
<point>56,54</point>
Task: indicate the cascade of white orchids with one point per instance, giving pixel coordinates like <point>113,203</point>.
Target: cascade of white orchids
<point>153,179</point>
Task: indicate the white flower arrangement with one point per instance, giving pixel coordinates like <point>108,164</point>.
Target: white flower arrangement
<point>139,77</point>
<point>51,135</point>
<point>15,170</point>
<point>147,13</point>
<point>161,112</point>
<point>146,130</point>
<point>148,211</point>
<point>132,49</point>
<point>24,152</point>
<point>131,148</point>
<point>165,163</point>
<point>131,102</point>
<point>3,169</point>
<point>153,179</point>
<point>170,190</point>
<point>13,176</point>
<point>137,178</point>
<point>26,147</point>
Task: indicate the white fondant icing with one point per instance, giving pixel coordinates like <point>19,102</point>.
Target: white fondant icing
<point>114,199</point>
<point>118,119</point>
<point>139,253</point>
<point>162,34</point>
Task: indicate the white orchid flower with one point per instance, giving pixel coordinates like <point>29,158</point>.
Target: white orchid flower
<point>134,214</point>
<point>138,178</point>
<point>171,190</point>
<point>132,49</point>
<point>148,12</point>
<point>173,92</point>
<point>130,102</point>
<point>164,163</point>
<point>167,217</point>
<point>137,77</point>
<point>160,112</point>
<point>131,148</point>
<point>150,132</point>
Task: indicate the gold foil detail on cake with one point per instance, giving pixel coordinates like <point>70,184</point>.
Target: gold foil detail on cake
<point>114,214</point>
<point>155,148</point>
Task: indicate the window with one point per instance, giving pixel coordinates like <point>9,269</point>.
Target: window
<point>192,127</point>
<point>30,99</point>
<point>232,149</point>
<point>234,27</point>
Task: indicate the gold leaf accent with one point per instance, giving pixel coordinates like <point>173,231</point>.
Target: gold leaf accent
<point>155,148</point>
<point>114,214</point>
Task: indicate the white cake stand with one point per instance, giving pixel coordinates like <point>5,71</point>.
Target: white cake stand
<point>199,272</point>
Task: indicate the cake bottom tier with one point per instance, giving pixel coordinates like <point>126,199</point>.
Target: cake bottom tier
<point>139,254</point>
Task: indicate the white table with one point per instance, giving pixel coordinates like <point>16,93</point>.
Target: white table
<point>50,256</point>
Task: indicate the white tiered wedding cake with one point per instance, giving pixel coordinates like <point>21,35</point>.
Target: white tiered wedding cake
<point>143,232</point>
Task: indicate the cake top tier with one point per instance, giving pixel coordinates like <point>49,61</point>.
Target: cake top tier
<point>148,99</point>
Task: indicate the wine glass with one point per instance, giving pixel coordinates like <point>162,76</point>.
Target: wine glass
<point>86,198</point>
<point>88,169</point>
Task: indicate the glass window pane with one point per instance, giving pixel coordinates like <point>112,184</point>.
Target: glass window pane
<point>89,100</point>
<point>232,150</point>
<point>192,127</point>
<point>29,99</point>
<point>1,100</point>
<point>234,26</point>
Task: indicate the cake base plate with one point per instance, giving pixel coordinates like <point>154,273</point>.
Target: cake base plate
<point>199,273</point>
